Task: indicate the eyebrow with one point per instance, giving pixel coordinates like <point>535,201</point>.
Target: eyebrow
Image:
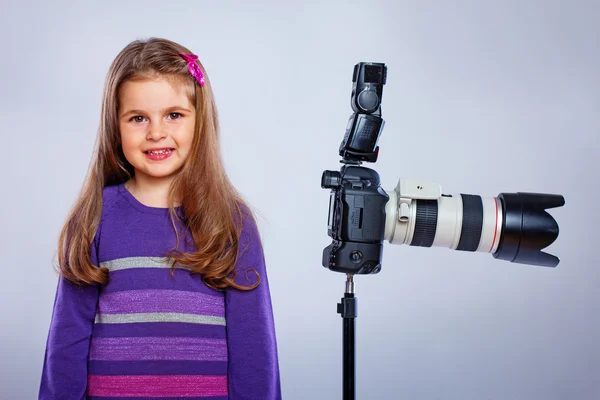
<point>164,110</point>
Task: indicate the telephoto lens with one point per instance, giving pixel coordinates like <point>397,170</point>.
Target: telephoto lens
<point>512,226</point>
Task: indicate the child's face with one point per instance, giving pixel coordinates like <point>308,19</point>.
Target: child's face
<point>156,123</point>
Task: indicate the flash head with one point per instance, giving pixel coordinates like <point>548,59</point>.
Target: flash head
<point>365,124</point>
<point>367,89</point>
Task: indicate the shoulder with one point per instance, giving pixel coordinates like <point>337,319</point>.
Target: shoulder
<point>110,193</point>
<point>250,246</point>
<point>111,211</point>
<point>110,198</point>
<point>246,218</point>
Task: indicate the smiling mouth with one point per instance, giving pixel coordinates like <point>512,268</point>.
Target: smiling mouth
<point>159,152</point>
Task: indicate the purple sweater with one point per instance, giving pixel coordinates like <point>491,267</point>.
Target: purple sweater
<point>148,334</point>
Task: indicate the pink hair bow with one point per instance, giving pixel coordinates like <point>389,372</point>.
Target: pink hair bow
<point>193,67</point>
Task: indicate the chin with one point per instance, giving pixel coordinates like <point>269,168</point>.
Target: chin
<point>163,175</point>
<point>158,174</point>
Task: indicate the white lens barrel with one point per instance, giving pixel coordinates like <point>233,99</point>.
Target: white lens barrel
<point>449,223</point>
<point>459,222</point>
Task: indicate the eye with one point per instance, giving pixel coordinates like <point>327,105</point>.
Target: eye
<point>174,115</point>
<point>137,118</point>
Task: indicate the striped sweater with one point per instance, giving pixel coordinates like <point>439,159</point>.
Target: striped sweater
<point>153,333</point>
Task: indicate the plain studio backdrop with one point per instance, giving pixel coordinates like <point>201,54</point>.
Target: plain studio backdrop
<point>483,97</point>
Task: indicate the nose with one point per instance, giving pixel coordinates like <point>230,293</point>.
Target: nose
<point>156,132</point>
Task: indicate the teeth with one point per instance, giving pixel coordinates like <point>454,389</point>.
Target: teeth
<point>159,151</point>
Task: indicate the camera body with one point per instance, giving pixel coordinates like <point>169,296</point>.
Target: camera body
<point>356,220</point>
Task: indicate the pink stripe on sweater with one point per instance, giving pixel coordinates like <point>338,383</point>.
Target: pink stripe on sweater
<point>157,385</point>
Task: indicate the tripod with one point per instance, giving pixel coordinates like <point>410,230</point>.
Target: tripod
<point>348,310</point>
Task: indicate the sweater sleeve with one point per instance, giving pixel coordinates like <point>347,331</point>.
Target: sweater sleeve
<point>64,371</point>
<point>253,370</point>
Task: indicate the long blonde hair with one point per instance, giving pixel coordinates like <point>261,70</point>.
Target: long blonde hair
<point>213,209</point>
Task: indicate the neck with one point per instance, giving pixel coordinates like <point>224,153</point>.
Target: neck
<point>150,192</point>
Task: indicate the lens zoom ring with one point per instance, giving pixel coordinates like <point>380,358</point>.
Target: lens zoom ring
<point>425,223</point>
<point>472,223</point>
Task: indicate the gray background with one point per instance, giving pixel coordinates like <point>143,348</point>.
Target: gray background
<point>482,97</point>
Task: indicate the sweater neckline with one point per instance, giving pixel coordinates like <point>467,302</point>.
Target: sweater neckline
<point>141,206</point>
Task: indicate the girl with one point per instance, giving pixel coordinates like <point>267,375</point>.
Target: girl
<point>163,290</point>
